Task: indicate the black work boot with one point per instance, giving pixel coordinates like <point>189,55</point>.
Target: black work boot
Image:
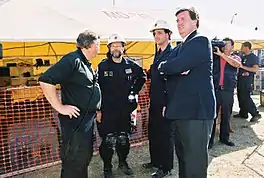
<point>108,173</point>
<point>148,165</point>
<point>160,173</point>
<point>108,170</point>
<point>123,166</point>
<point>256,117</point>
<point>211,145</point>
<point>227,142</point>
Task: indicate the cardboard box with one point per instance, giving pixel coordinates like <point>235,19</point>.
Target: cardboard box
<point>5,81</point>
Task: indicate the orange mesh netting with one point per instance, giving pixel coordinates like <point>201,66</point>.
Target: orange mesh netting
<point>30,132</point>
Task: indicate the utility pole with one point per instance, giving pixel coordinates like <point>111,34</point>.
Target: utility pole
<point>114,3</point>
<point>232,20</point>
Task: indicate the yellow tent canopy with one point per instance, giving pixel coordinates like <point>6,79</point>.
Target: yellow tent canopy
<point>28,52</point>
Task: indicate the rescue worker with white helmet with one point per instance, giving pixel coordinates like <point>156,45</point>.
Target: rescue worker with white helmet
<point>160,145</point>
<point>118,77</point>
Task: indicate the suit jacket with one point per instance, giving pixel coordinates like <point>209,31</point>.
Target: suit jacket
<point>190,96</point>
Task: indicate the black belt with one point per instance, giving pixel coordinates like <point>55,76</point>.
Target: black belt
<point>220,88</point>
<point>91,111</point>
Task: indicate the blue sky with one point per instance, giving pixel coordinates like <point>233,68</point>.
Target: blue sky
<point>248,15</point>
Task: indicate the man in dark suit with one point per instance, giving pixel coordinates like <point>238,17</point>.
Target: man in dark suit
<point>191,103</point>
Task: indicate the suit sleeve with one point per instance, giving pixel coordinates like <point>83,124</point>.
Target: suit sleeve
<point>59,72</point>
<point>140,78</point>
<point>194,53</point>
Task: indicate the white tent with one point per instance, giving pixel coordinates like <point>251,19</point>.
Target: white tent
<point>41,20</point>
<point>62,20</point>
<point>26,20</point>
<point>135,24</point>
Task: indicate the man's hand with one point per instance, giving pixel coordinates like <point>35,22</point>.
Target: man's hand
<point>234,61</point>
<point>218,52</point>
<point>99,116</point>
<point>71,111</point>
<point>254,68</point>
<point>49,91</point>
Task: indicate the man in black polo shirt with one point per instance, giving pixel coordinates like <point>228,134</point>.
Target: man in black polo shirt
<point>80,99</point>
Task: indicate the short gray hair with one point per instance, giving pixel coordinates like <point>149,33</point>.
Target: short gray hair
<point>86,38</point>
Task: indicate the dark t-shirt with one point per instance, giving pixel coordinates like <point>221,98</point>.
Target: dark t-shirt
<point>78,83</point>
<point>248,60</point>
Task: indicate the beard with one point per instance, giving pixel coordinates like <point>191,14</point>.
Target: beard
<point>116,54</point>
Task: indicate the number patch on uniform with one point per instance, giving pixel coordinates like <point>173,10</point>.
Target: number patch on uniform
<point>108,73</point>
<point>105,73</point>
<point>128,71</point>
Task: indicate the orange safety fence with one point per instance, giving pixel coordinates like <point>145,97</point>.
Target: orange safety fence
<point>30,131</point>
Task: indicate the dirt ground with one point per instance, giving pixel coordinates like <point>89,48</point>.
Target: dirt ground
<point>245,160</point>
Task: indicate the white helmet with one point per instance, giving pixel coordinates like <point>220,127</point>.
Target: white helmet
<point>115,38</point>
<point>161,24</point>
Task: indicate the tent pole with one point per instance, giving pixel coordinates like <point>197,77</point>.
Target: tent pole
<point>232,20</point>
<point>53,51</point>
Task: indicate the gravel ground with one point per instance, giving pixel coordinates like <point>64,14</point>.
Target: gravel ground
<point>245,160</point>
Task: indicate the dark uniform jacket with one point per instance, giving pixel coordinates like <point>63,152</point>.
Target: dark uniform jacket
<point>157,85</point>
<point>116,81</point>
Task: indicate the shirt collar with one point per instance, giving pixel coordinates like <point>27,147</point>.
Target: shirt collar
<point>167,48</point>
<point>83,58</point>
<point>184,39</point>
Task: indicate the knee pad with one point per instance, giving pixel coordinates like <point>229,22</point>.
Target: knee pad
<point>122,139</point>
<point>110,140</point>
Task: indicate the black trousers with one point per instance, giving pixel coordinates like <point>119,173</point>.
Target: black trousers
<point>76,149</point>
<point>160,139</point>
<point>114,121</point>
<point>191,144</point>
<point>225,101</point>
<point>246,104</point>
<point>114,130</point>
